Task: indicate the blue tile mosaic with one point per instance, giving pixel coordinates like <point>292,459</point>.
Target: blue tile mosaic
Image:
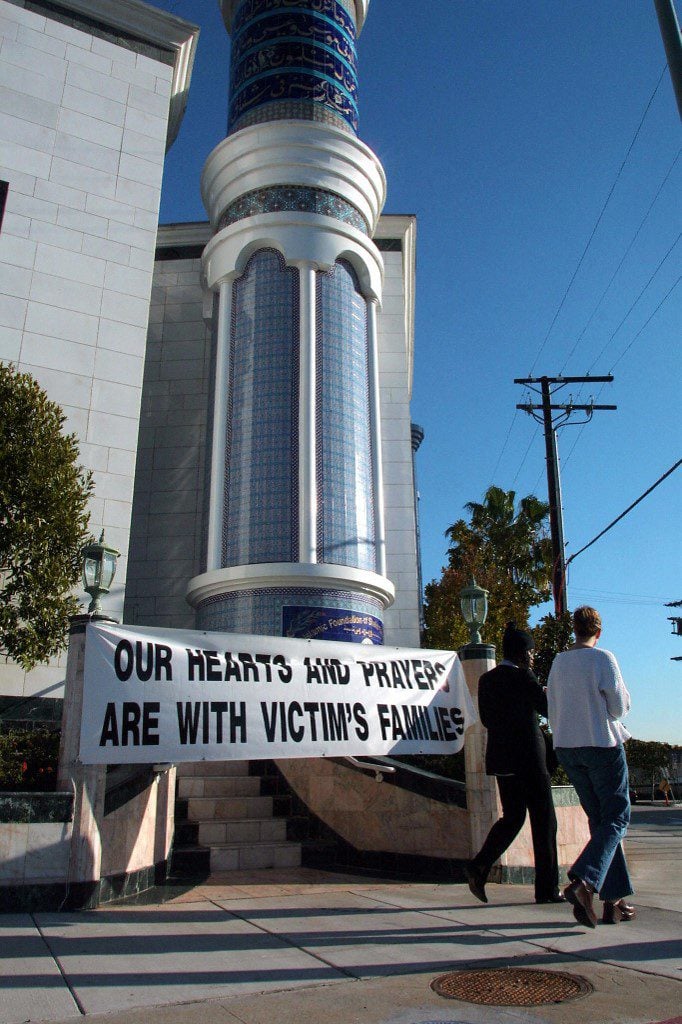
<point>261,466</point>
<point>293,50</point>
<point>293,197</point>
<point>346,532</point>
<point>291,110</point>
<point>336,11</point>
<point>265,612</point>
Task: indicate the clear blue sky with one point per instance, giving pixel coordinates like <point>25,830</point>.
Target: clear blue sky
<point>505,126</point>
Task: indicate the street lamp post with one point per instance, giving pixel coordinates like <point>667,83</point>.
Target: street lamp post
<point>477,658</point>
<point>87,782</point>
<point>99,569</point>
<point>473,601</point>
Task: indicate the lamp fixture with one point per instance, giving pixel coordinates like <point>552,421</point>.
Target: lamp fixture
<point>99,569</point>
<point>473,601</point>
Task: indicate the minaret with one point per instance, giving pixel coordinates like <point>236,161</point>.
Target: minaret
<point>296,537</point>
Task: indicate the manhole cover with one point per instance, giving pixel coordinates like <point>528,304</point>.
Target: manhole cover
<point>511,986</point>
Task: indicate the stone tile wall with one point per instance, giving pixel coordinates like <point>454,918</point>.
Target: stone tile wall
<point>379,817</point>
<point>34,852</point>
<point>35,838</point>
<point>391,820</point>
<point>82,143</point>
<point>168,511</point>
<point>401,621</point>
<point>138,834</point>
<point>573,832</point>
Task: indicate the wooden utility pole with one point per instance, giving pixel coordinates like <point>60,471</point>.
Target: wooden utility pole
<point>543,412</point>
<point>672,43</point>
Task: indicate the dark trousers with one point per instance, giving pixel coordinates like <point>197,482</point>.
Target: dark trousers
<point>520,794</point>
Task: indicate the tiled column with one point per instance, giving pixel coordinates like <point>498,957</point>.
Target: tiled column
<point>296,535</point>
<point>375,426</point>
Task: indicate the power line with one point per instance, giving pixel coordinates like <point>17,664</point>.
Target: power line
<point>619,597</point>
<point>506,440</point>
<point>623,593</point>
<point>628,509</point>
<point>523,460</point>
<point>580,433</point>
<point>597,223</point>
<point>627,602</point>
<point>621,356</point>
<point>647,322</point>
<point>641,293</point>
<point>615,332</point>
<point>584,253</point>
<point>622,260</point>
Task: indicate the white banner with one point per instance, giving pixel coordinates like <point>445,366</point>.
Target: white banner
<point>155,695</point>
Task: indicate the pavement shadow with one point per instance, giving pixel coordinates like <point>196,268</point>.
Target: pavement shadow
<point>665,949</point>
<point>215,931</point>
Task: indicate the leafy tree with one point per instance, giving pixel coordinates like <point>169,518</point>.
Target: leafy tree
<point>506,549</point>
<point>44,495</point>
<point>648,756</point>
<point>551,635</point>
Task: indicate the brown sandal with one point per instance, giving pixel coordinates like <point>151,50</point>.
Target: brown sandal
<point>617,910</point>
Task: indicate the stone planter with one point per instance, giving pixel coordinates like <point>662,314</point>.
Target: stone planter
<point>35,841</point>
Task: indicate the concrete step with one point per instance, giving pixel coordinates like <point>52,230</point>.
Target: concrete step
<point>227,808</point>
<point>190,861</point>
<point>212,768</point>
<point>224,824</point>
<point>246,830</point>
<point>243,856</point>
<point>230,785</point>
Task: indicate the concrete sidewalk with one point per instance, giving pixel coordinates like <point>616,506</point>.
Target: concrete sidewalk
<point>299,946</point>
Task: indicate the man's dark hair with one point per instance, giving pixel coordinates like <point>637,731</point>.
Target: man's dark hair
<point>516,643</point>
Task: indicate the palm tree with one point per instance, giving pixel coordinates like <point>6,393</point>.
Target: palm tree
<point>508,551</point>
<point>513,542</point>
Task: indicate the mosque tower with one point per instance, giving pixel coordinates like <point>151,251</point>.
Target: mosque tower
<point>295,536</point>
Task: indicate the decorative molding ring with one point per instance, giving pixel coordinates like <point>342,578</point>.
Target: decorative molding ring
<point>271,575</point>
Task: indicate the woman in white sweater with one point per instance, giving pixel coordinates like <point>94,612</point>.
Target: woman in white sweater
<point>587,698</point>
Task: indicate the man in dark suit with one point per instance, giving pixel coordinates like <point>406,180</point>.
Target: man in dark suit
<point>509,701</point>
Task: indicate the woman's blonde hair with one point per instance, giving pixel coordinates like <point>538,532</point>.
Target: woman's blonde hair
<point>586,622</point>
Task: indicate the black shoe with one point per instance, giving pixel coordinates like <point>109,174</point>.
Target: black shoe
<point>556,897</point>
<point>476,879</point>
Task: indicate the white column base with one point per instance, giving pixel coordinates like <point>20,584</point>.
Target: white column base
<point>285,574</point>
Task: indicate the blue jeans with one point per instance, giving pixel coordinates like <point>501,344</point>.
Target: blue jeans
<point>600,778</point>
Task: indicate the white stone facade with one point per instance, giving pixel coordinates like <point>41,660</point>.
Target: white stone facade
<point>82,144</point>
<point>395,324</point>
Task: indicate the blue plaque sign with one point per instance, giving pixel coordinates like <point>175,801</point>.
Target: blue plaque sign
<point>331,624</point>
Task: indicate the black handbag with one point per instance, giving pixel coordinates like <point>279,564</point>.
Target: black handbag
<point>550,755</point>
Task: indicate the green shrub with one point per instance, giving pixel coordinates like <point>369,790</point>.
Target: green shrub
<point>28,760</point>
